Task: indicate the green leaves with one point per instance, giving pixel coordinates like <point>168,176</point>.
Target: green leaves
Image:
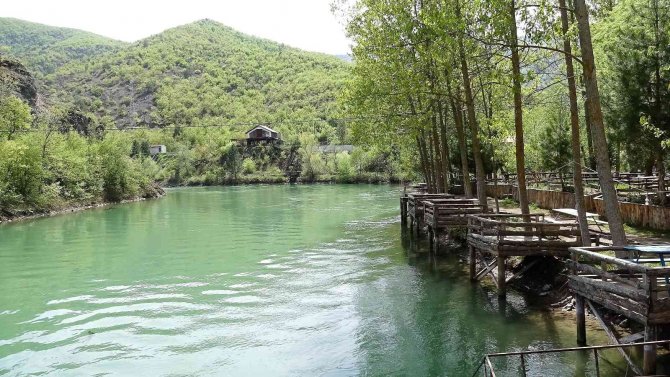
<point>14,116</point>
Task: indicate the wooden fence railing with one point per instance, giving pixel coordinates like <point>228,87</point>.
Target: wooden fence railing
<point>651,216</point>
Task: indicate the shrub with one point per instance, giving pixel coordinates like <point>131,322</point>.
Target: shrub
<point>248,166</point>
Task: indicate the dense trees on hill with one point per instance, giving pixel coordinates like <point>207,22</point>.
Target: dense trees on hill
<point>44,49</point>
<point>200,74</point>
<point>194,89</point>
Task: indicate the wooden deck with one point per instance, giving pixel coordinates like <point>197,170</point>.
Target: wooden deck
<point>635,286</point>
<point>415,206</point>
<point>497,237</point>
<point>444,215</point>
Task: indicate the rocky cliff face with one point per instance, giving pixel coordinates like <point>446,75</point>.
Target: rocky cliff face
<point>15,79</point>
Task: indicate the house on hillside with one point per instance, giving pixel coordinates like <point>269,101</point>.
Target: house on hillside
<point>157,149</point>
<point>262,135</point>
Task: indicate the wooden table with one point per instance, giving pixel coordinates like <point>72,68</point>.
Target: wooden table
<point>660,250</point>
<point>591,218</point>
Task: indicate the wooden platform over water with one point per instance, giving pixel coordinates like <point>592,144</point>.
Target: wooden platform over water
<point>442,216</point>
<point>497,237</point>
<point>635,285</point>
<point>414,207</point>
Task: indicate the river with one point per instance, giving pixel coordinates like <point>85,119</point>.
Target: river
<point>253,281</point>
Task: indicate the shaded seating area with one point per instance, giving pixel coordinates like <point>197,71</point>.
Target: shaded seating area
<point>493,238</point>
<point>632,281</point>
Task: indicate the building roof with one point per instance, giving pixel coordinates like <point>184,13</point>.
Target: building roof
<point>266,128</point>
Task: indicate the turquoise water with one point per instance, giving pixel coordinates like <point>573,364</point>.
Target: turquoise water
<point>251,281</point>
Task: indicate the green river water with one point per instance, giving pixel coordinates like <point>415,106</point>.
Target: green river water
<point>254,281</point>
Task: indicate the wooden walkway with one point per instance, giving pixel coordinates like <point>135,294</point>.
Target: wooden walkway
<point>632,281</point>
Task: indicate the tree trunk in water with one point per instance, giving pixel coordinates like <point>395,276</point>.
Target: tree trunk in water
<point>580,206</point>
<point>518,113</point>
<point>460,134</point>
<point>604,167</point>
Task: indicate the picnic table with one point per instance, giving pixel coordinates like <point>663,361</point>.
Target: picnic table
<point>591,218</point>
<point>660,250</point>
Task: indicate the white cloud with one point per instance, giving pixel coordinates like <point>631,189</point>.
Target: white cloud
<point>306,24</point>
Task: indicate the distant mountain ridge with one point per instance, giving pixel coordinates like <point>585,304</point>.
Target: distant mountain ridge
<point>203,73</point>
<point>44,49</point>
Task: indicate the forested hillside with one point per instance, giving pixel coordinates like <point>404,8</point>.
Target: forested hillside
<point>44,49</point>
<point>203,74</point>
<point>82,110</point>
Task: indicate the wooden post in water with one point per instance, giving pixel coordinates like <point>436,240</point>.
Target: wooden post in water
<point>430,239</point>
<point>649,357</point>
<point>581,320</point>
<point>403,211</point>
<point>473,263</point>
<point>502,289</point>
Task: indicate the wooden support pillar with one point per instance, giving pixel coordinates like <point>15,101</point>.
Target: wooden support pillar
<point>473,263</point>
<point>581,320</point>
<point>649,358</point>
<point>403,211</point>
<point>431,243</point>
<point>502,289</point>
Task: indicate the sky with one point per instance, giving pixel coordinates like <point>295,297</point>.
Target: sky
<point>306,24</point>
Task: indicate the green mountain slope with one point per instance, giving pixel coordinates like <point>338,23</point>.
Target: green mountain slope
<point>202,73</point>
<point>43,49</point>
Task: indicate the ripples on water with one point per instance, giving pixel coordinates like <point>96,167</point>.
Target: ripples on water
<point>244,281</point>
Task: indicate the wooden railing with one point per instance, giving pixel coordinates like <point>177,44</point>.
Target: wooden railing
<point>441,213</point>
<point>415,203</point>
<point>507,226</point>
<point>486,365</point>
<point>635,286</point>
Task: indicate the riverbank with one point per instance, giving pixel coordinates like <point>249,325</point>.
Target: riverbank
<point>11,216</point>
<point>261,178</point>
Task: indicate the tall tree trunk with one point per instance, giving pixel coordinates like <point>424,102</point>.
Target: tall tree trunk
<point>657,103</point>
<point>660,167</point>
<point>580,206</point>
<point>422,160</point>
<point>439,172</point>
<point>604,167</point>
<point>518,113</point>
<point>472,121</point>
<point>460,134</point>
<point>445,145</point>
<point>430,162</point>
<point>426,162</point>
<point>589,134</point>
